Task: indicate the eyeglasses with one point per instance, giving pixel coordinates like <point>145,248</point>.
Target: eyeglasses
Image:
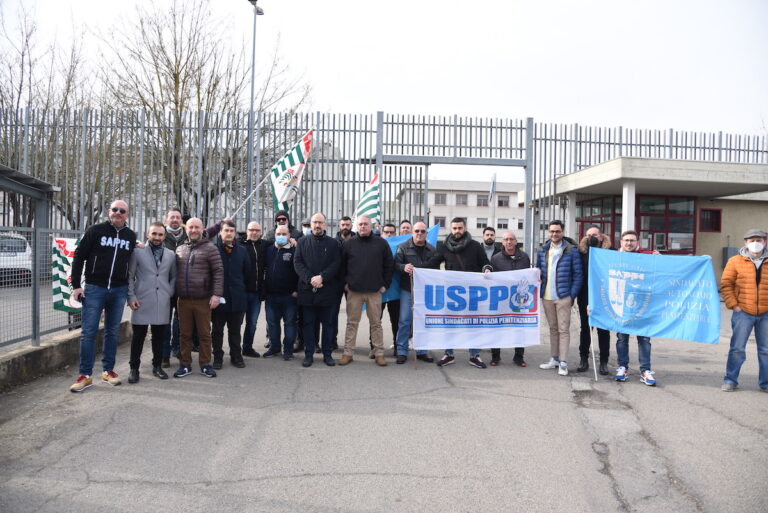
<point>419,231</point>
<point>281,219</point>
<point>628,240</point>
<point>509,240</point>
<point>253,230</point>
<point>389,232</point>
<point>116,210</point>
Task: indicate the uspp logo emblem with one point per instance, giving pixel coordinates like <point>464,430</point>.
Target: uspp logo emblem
<point>523,297</point>
<point>624,295</point>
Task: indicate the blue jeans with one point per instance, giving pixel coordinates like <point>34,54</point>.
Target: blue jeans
<point>283,307</point>
<point>112,303</point>
<point>643,351</point>
<point>252,308</point>
<point>742,324</point>
<point>404,327</point>
<point>472,352</point>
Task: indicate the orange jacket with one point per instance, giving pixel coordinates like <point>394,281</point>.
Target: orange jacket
<point>740,287</point>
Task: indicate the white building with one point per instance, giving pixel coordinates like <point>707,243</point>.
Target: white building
<point>453,198</point>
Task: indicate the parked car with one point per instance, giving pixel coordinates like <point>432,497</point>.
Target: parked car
<point>15,260</point>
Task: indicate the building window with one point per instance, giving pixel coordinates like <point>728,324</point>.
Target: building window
<point>440,198</point>
<point>503,224</point>
<point>503,201</point>
<point>482,200</point>
<point>440,221</point>
<point>418,198</point>
<point>710,219</point>
<point>519,225</point>
<point>461,199</point>
<point>482,222</point>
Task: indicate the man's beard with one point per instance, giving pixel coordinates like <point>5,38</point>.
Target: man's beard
<point>345,232</point>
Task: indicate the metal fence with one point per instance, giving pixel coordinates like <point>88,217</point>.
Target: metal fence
<point>26,294</point>
<point>198,162</point>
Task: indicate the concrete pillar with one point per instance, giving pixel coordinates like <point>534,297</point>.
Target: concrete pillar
<point>570,216</point>
<point>628,205</point>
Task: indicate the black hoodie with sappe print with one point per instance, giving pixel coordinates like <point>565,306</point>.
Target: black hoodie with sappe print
<point>104,252</point>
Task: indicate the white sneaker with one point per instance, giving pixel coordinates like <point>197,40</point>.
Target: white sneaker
<point>563,369</point>
<point>621,374</point>
<point>551,364</point>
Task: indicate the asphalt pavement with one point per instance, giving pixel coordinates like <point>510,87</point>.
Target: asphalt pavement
<point>276,437</point>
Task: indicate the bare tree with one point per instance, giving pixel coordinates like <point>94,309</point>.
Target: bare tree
<point>172,61</point>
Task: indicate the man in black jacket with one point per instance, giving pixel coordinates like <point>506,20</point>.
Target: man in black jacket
<point>490,246</point>
<point>175,236</point>
<point>282,218</point>
<point>104,253</point>
<point>367,265</point>
<point>255,247</point>
<point>511,258</point>
<point>460,253</point>
<point>231,311</point>
<point>410,253</point>
<point>317,260</point>
<point>594,238</point>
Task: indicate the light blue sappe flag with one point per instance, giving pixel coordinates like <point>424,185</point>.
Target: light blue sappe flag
<point>393,292</point>
<point>662,296</point>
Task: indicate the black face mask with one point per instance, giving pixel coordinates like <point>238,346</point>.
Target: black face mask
<point>594,241</point>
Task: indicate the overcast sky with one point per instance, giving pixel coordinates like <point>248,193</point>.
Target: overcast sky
<point>686,64</point>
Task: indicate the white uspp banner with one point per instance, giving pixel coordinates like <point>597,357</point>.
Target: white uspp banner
<point>457,310</point>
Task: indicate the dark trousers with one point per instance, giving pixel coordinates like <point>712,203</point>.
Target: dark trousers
<point>335,309</point>
<point>311,315</point>
<point>281,307</point>
<point>519,353</point>
<point>137,344</point>
<point>393,307</point>
<point>585,337</point>
<point>233,321</point>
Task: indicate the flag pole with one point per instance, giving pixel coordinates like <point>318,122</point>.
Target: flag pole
<point>233,214</point>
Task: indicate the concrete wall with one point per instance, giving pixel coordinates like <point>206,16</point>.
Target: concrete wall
<point>737,217</point>
<point>27,363</point>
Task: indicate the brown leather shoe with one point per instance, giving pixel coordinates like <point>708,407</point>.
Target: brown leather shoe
<point>345,359</point>
<point>381,361</point>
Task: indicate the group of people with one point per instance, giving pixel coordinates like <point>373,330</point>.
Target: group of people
<point>187,283</point>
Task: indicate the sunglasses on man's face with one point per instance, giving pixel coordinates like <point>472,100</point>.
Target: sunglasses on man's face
<point>388,232</point>
<point>121,210</point>
<point>419,231</point>
<point>281,219</point>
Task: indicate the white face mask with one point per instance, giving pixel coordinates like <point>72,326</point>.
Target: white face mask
<point>756,247</point>
<point>306,231</point>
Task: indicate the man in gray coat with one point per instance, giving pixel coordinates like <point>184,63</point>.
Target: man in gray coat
<point>151,284</point>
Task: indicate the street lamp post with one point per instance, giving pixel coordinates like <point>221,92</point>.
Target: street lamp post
<point>257,11</point>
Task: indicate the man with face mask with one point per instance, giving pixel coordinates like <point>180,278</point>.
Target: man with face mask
<point>593,238</point>
<point>744,285</point>
<point>306,227</point>
<point>490,245</point>
<point>281,284</point>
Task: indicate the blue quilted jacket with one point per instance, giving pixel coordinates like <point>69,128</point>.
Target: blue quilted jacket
<point>569,271</point>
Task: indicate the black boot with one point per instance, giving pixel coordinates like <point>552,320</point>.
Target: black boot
<point>583,364</point>
<point>603,368</point>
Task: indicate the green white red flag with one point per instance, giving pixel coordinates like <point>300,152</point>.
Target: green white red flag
<point>285,175</point>
<point>369,204</point>
<point>61,275</point>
